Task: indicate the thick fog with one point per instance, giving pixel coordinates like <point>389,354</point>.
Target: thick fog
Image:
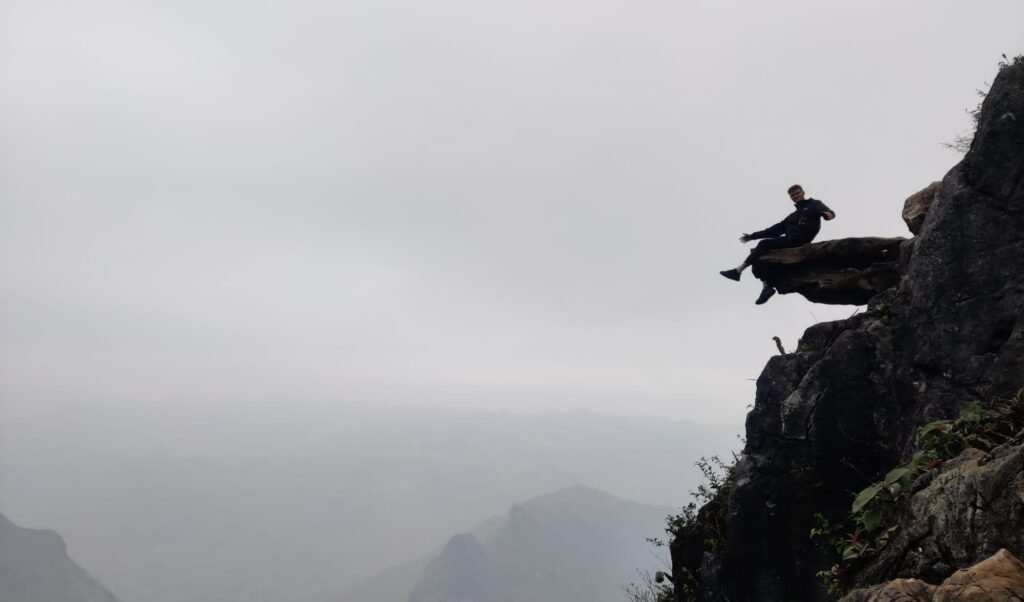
<point>311,286</point>
<point>500,206</point>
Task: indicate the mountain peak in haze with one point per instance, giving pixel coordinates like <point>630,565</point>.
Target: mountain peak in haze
<point>575,544</point>
<point>461,572</point>
<point>35,567</point>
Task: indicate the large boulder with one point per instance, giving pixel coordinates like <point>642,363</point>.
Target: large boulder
<point>915,208</point>
<point>998,578</point>
<point>847,271</point>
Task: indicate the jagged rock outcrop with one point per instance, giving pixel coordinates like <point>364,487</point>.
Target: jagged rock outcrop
<point>915,208</point>
<point>847,271</point>
<point>999,578</point>
<point>846,406</point>
<point>35,567</point>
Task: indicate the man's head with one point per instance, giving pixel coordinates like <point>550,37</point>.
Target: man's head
<point>796,193</point>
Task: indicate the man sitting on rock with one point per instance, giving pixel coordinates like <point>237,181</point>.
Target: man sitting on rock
<point>799,228</point>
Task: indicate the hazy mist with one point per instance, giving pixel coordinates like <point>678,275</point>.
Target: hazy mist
<point>460,203</point>
<point>291,292</point>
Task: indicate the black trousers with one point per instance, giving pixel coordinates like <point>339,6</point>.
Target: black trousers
<point>770,244</point>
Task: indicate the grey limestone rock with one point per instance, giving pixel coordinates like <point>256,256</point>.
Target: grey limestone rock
<point>847,271</point>
<point>998,578</point>
<point>973,507</point>
<point>915,208</point>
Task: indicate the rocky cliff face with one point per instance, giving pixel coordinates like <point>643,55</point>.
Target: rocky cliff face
<point>847,405</point>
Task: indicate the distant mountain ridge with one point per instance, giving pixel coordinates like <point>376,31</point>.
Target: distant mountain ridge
<point>574,545</point>
<point>35,567</point>
<point>343,491</point>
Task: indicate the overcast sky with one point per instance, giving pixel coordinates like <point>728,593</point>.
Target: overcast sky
<point>491,205</point>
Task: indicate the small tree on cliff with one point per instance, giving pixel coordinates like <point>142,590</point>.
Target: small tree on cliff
<point>962,142</point>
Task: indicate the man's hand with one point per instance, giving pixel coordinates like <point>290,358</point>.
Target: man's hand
<point>745,238</point>
<point>828,215</point>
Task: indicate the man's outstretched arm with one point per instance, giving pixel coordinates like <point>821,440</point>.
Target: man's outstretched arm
<point>826,213</point>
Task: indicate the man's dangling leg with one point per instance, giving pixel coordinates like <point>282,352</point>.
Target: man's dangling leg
<point>762,247</point>
<point>766,245</point>
<point>767,291</point>
<point>771,244</point>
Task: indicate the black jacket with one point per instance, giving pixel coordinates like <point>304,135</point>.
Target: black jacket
<point>803,223</point>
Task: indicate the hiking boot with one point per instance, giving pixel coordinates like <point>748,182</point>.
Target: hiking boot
<point>766,293</point>
<point>732,274</point>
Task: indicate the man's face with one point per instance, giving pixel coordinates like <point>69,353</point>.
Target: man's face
<point>797,195</point>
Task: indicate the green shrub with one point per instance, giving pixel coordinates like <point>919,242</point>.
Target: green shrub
<point>702,520</point>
